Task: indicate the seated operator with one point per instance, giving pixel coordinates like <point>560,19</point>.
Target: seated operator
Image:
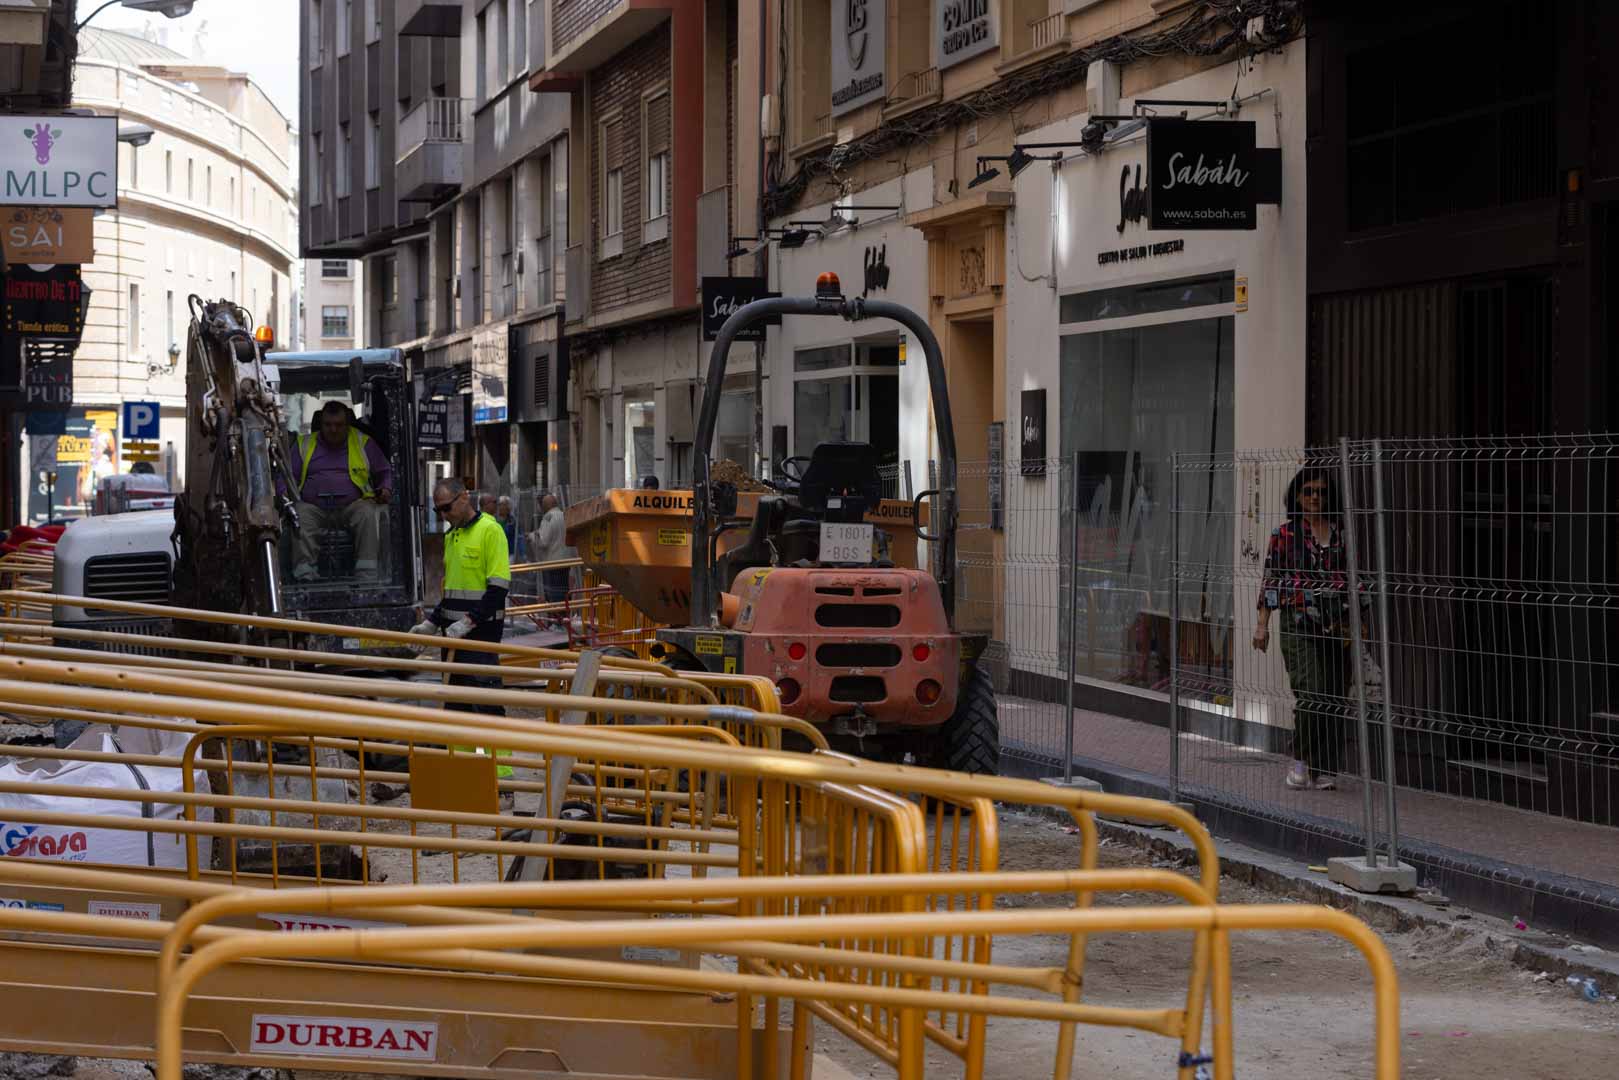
<point>344,481</point>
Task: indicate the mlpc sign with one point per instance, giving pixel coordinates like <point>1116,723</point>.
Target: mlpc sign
<point>59,161</point>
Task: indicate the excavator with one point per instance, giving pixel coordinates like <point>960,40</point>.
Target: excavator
<point>231,543</point>
<point>232,540</point>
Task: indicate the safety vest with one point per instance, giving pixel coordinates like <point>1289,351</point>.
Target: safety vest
<point>475,557</point>
<point>359,467</point>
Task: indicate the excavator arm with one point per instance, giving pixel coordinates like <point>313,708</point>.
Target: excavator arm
<point>237,496</point>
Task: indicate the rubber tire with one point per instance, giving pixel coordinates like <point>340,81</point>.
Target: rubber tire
<point>970,741</point>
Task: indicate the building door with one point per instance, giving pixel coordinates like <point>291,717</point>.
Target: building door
<point>970,362</point>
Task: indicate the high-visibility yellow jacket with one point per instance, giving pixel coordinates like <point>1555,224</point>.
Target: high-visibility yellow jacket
<point>359,467</point>
<point>477,570</point>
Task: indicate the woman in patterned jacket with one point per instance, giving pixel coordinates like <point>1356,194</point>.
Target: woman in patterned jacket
<point>1306,581</point>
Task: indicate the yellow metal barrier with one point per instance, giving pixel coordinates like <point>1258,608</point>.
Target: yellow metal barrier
<point>641,772</point>
<point>880,833</point>
<point>271,624</point>
<point>900,981</point>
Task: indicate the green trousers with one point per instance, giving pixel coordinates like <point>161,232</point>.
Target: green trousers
<point>1319,672</point>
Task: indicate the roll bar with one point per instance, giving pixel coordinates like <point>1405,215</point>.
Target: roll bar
<point>828,301</point>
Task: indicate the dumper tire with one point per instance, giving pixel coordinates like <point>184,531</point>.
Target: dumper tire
<point>970,741</point>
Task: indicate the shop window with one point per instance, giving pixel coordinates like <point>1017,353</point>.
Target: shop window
<point>1131,398</point>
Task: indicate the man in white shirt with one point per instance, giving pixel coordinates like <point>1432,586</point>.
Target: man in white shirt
<point>549,543</point>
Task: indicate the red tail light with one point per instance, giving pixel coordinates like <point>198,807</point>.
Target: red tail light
<point>927,692</point>
<point>797,651</point>
<point>787,690</point>
<point>921,653</point>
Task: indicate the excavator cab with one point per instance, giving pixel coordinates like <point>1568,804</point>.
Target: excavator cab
<point>338,553</point>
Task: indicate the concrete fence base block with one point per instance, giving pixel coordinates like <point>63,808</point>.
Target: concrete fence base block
<point>1078,783</point>
<point>1356,873</point>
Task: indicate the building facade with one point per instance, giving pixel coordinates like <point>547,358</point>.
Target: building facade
<point>984,165</point>
<point>333,303</point>
<point>205,208</point>
<point>652,204</point>
<point>454,210</point>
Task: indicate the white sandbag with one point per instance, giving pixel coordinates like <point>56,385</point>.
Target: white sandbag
<point>119,847</point>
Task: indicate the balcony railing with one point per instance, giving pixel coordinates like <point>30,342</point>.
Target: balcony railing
<point>916,86</point>
<point>432,150</point>
<point>434,120</point>
<point>1047,31</point>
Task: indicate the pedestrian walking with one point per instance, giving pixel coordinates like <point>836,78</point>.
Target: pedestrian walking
<point>1306,584</point>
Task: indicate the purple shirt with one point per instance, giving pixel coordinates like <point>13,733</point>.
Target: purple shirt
<point>328,483</point>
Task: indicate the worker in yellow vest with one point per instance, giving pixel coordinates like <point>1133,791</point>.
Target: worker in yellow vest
<point>344,481</point>
<point>477,577</point>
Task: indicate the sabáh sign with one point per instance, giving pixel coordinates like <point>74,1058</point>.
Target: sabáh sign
<point>1201,174</point>
<point>725,296</point>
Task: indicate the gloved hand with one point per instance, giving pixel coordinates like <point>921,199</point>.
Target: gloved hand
<point>426,626</point>
<point>460,629</point>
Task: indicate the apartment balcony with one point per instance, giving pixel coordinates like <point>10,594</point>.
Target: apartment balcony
<point>587,33</point>
<point>1033,40</point>
<point>433,149</point>
<point>429,18</point>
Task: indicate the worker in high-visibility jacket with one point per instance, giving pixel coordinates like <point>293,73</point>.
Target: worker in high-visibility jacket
<point>477,577</point>
<point>344,481</point>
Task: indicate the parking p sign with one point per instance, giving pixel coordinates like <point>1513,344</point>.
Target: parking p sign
<point>140,419</point>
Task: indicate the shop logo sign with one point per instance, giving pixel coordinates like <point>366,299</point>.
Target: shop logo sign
<point>75,161</point>
<point>44,139</point>
<point>1199,173</point>
<point>876,270</point>
<point>856,38</point>
<point>858,65</point>
<point>1132,199</point>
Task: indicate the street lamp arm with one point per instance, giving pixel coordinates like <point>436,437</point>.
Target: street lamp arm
<point>86,20</point>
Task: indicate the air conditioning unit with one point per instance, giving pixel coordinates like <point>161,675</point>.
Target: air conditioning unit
<point>1102,80</point>
<point>769,117</point>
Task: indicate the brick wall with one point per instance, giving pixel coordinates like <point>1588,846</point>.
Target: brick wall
<point>570,18</point>
<point>641,272</point>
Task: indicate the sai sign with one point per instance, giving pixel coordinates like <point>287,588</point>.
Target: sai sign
<point>1201,174</point>
<point>141,420</point>
<point>59,161</point>
<point>48,235</point>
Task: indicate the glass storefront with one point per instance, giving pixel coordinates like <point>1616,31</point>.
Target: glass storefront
<point>1149,372</point>
<point>848,393</point>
